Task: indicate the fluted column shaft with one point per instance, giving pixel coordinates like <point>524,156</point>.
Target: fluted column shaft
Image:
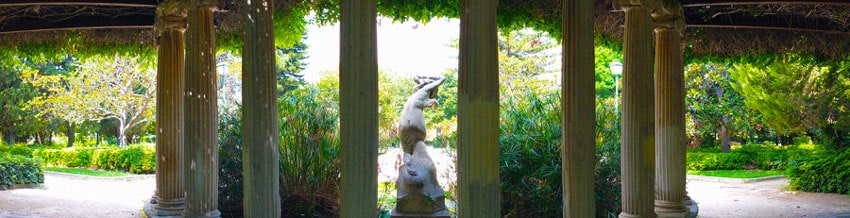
<point>669,123</point>
<point>478,111</point>
<point>358,78</point>
<point>260,157</point>
<point>638,153</point>
<point>201,127</point>
<point>169,113</point>
<point>579,113</point>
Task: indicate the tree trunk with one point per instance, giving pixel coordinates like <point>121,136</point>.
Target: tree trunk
<point>70,133</point>
<point>724,138</point>
<point>122,139</point>
<point>9,134</point>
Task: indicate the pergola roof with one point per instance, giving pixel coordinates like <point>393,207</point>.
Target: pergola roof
<point>715,27</point>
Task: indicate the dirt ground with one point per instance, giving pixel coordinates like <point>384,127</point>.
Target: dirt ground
<point>74,196</point>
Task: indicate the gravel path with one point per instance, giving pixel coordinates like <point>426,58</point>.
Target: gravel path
<point>75,196</point>
<point>763,199</point>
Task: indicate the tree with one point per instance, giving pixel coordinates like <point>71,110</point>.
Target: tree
<point>714,107</point>
<point>120,88</point>
<point>290,63</point>
<point>797,94</point>
<point>14,93</point>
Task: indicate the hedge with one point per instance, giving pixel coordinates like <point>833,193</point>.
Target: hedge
<point>133,159</point>
<point>764,157</point>
<point>825,171</point>
<point>17,149</point>
<point>17,169</point>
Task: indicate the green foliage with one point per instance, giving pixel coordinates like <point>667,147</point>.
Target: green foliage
<point>799,94</point>
<point>530,160</point>
<point>309,150</point>
<point>751,156</point>
<point>104,87</point>
<point>824,171</point>
<point>530,155</point>
<point>17,149</point>
<point>230,188</point>
<point>138,158</point>
<point>16,169</point>
<point>739,174</point>
<point>87,172</point>
<point>716,110</point>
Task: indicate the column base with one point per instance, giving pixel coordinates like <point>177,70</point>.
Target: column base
<point>152,211</point>
<point>670,209</point>
<point>628,215</point>
<point>210,214</point>
<point>691,205</point>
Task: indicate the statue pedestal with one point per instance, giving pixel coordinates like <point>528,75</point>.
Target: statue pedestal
<point>438,214</point>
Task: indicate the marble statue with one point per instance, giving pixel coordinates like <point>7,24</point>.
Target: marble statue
<point>419,193</point>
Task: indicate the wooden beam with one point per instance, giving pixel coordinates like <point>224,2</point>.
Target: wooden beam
<point>113,3</point>
<point>766,28</point>
<point>765,2</point>
<point>80,28</point>
<point>83,21</point>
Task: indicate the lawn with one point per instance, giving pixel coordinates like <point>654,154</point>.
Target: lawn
<point>739,174</point>
<point>87,172</point>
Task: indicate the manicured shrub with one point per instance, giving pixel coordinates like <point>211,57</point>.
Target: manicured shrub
<point>17,149</point>
<point>140,158</point>
<point>17,169</point>
<point>827,170</point>
<point>715,160</point>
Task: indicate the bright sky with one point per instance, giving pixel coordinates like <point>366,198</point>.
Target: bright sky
<point>408,48</point>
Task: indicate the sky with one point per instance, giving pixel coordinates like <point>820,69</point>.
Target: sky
<point>405,48</point>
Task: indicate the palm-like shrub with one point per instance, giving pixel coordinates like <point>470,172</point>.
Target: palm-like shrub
<point>309,147</point>
<point>530,155</point>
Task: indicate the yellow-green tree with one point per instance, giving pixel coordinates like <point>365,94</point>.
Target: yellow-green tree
<point>102,87</point>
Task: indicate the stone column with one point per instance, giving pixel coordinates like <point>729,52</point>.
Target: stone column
<point>579,113</point>
<point>669,116</point>
<point>260,157</point>
<point>478,111</point>
<point>201,127</point>
<point>358,83</point>
<point>170,25</point>
<point>637,127</point>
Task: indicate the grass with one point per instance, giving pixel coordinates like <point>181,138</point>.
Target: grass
<point>88,172</point>
<point>738,174</point>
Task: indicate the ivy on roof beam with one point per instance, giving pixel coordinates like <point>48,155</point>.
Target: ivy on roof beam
<point>83,21</point>
<point>114,3</point>
<point>698,3</point>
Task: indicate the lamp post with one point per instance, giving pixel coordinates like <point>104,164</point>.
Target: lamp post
<point>617,71</point>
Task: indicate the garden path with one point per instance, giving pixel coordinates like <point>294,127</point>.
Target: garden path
<point>768,198</point>
<point>79,196</point>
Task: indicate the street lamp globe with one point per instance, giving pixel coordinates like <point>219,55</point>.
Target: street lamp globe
<point>616,68</point>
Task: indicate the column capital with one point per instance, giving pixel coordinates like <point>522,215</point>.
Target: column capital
<point>171,15</point>
<point>676,23</point>
<point>651,5</point>
<point>669,15</point>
